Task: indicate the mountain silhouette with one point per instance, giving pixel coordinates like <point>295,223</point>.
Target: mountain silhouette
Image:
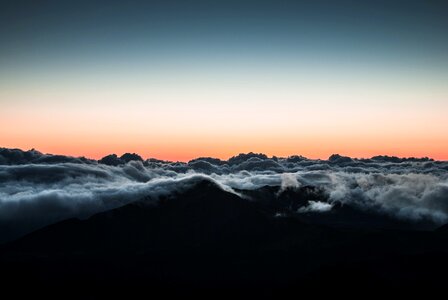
<point>206,237</point>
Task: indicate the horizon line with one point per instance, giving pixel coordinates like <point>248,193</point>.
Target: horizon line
<point>428,158</point>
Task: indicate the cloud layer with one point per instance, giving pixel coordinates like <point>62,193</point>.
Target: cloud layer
<point>38,189</point>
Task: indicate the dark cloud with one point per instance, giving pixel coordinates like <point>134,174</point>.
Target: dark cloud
<point>394,159</point>
<point>206,166</point>
<point>211,160</point>
<point>127,157</point>
<point>295,158</point>
<point>38,189</point>
<point>339,159</point>
<point>110,160</point>
<point>114,160</point>
<point>17,156</point>
<point>259,164</point>
<point>240,158</point>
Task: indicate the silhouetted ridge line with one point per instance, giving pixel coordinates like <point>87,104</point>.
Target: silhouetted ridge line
<point>10,156</point>
<point>207,237</point>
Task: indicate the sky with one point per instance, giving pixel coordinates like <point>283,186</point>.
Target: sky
<point>177,80</point>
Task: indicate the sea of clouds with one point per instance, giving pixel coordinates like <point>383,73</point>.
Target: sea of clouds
<point>39,189</point>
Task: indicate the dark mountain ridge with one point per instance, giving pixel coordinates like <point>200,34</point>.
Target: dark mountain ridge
<point>206,237</point>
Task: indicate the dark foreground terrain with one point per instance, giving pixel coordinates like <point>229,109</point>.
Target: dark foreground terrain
<point>217,243</point>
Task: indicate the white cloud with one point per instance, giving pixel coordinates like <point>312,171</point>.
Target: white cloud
<point>315,206</point>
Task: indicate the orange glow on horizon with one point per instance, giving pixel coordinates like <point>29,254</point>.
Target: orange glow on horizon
<point>317,148</point>
<point>283,118</point>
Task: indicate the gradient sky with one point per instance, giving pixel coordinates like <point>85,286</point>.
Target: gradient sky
<point>182,79</point>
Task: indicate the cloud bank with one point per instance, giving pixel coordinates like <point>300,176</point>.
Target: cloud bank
<point>38,189</point>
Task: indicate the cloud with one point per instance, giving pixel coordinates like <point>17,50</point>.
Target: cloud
<point>289,180</point>
<point>17,156</point>
<point>409,196</point>
<point>315,206</point>
<point>38,189</point>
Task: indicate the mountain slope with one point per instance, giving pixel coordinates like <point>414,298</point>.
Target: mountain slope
<point>207,237</point>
